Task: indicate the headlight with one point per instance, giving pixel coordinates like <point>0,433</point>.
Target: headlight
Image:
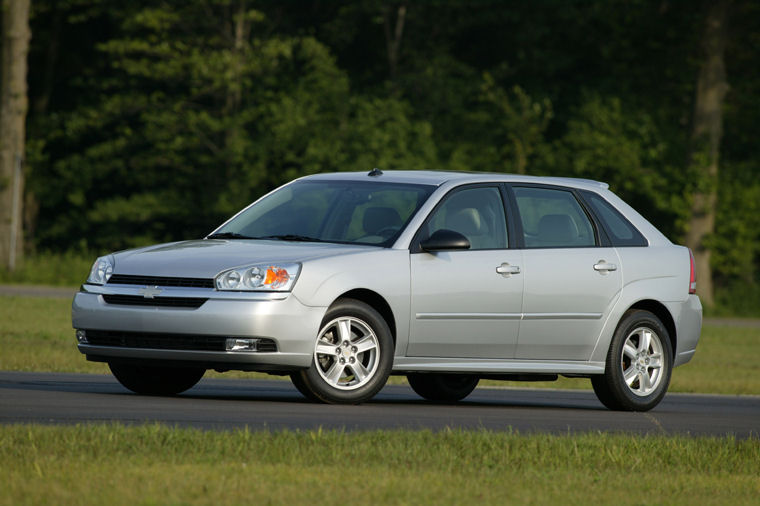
<point>263,277</point>
<point>101,270</point>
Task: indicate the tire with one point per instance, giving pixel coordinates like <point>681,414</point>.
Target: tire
<point>300,385</point>
<point>443,387</point>
<point>156,380</point>
<point>638,365</point>
<point>353,355</point>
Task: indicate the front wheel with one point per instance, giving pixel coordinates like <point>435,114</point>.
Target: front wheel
<point>638,366</point>
<point>443,387</point>
<point>352,356</point>
<point>301,386</point>
<point>156,380</point>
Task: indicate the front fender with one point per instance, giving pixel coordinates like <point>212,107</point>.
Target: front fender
<point>384,271</point>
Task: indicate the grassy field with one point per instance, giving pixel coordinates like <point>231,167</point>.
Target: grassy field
<point>36,335</point>
<point>102,464</point>
<point>153,464</point>
<point>55,269</point>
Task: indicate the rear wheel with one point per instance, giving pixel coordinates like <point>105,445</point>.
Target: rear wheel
<point>443,387</point>
<point>156,380</point>
<point>353,355</point>
<point>638,365</point>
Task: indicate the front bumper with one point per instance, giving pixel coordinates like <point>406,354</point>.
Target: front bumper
<point>277,316</point>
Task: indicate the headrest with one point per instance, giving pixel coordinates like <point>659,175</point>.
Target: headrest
<point>465,221</point>
<point>557,229</point>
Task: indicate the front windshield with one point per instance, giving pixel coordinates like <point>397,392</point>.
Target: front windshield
<point>352,212</point>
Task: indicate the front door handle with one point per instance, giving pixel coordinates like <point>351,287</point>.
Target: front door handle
<point>507,270</point>
<point>603,267</point>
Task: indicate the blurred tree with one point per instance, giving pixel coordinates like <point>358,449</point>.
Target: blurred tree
<point>604,141</point>
<point>13,108</point>
<point>704,151</point>
<point>394,17</point>
<point>735,243</point>
<point>204,109</point>
<point>154,120</point>
<point>520,121</point>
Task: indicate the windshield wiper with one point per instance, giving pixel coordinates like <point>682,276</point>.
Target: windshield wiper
<point>291,237</point>
<point>283,237</point>
<point>229,235</point>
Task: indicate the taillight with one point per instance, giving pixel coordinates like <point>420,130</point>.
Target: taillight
<point>693,275</point>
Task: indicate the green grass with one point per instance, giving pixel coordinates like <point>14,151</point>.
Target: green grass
<point>54,269</point>
<point>727,361</point>
<point>36,335</point>
<point>113,464</point>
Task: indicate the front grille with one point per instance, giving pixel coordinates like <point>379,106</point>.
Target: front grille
<point>166,341</point>
<point>139,300</point>
<point>128,279</point>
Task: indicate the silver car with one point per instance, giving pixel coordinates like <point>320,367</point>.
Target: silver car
<point>340,280</point>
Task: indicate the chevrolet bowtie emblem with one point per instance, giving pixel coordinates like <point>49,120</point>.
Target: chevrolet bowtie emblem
<point>149,292</point>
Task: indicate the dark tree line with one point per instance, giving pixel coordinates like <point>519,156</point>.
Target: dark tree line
<point>154,120</point>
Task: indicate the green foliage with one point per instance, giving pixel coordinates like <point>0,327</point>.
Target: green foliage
<point>202,113</point>
<point>625,149</point>
<point>53,269</point>
<point>735,245</point>
<point>521,121</point>
<point>736,298</point>
<point>154,121</point>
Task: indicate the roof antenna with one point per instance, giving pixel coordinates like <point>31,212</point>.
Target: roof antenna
<point>375,172</point>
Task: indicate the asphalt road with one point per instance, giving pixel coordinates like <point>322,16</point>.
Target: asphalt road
<point>222,404</point>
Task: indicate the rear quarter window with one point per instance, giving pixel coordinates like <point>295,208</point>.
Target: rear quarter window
<point>620,231</point>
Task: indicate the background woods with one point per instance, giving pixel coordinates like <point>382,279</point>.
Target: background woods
<point>153,121</point>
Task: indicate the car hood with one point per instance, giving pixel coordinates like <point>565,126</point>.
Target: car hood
<point>207,258</point>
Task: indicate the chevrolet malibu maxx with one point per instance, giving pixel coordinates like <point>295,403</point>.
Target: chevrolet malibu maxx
<point>340,280</point>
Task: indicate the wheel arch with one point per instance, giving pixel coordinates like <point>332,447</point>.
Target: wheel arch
<point>376,301</point>
<point>661,312</point>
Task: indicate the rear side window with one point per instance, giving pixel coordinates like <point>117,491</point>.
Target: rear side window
<point>620,231</point>
<point>553,218</point>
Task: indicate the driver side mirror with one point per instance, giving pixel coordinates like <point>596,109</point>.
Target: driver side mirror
<point>443,240</point>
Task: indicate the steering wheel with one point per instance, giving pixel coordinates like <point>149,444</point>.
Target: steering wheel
<point>387,232</point>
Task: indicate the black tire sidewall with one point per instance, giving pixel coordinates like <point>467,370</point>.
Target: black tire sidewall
<point>327,393</point>
<point>298,381</point>
<point>442,387</point>
<point>156,380</point>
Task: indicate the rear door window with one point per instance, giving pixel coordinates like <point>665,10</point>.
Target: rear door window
<point>553,218</point>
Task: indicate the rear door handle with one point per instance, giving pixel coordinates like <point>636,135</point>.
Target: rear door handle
<point>603,267</point>
<point>507,270</point>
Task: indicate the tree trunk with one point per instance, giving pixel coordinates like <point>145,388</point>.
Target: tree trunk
<point>13,98</point>
<point>40,106</point>
<point>705,144</point>
<point>241,29</point>
<point>393,37</point>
